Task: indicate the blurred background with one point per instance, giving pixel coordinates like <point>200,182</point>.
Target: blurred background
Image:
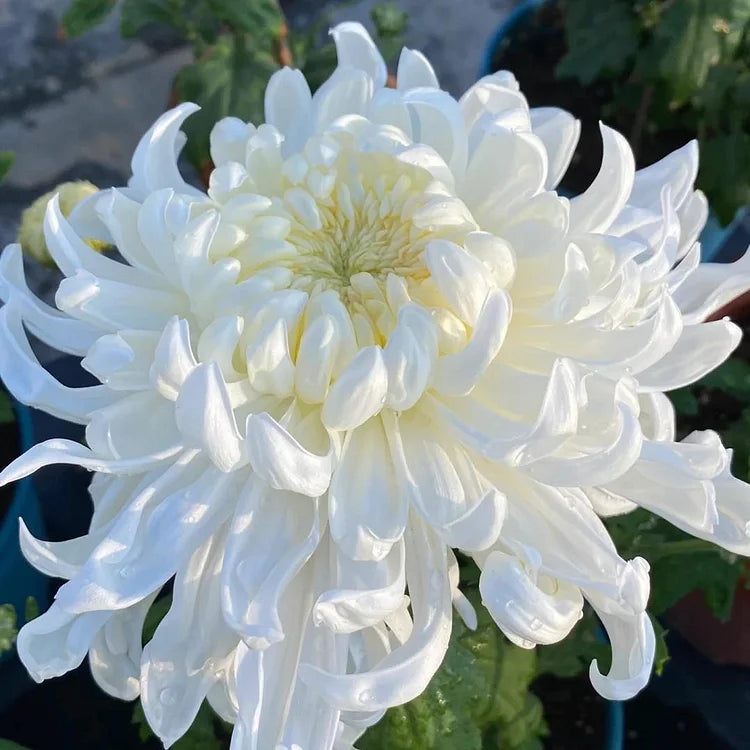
<point>75,97</point>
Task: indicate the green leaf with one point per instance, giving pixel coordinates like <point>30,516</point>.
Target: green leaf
<point>8,745</point>
<point>390,23</point>
<point>135,14</point>
<point>31,609</point>
<point>661,655</point>
<point>154,616</point>
<point>389,19</point>
<point>8,629</point>
<point>684,402</point>
<point>256,17</point>
<point>6,162</point>
<point>479,692</point>
<point>83,15</point>
<point>725,171</point>
<point>230,80</point>
<point>588,23</point>
<point>693,36</point>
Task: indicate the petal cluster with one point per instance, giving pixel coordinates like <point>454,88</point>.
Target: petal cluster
<point>380,335</point>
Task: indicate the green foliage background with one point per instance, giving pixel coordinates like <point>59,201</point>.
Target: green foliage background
<point>673,64</point>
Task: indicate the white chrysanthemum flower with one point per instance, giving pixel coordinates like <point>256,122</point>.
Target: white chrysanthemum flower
<point>381,335</point>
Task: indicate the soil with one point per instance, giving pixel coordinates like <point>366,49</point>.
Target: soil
<point>9,449</point>
<point>532,54</point>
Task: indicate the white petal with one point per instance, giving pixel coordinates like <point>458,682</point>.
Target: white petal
<point>271,537</point>
<point>59,451</point>
<point>288,107</point>
<point>316,358</point>
<point>346,92</point>
<point>228,140</point>
<point>115,578</point>
<point>596,208</point>
<point>282,461</point>
<point>154,162</point>
<point>699,350</point>
<point>367,515</point>
<point>173,359</point>
<point>506,168</point>
<point>462,279</point>
<point>269,364</point>
<point>710,287</point>
<point>414,71</point>
<point>444,485</point>
<point>678,170</point>
<point>437,122</point>
<point>204,416</point>
<point>354,47</point>
<point>358,393</point>
<point>57,641</point>
<point>44,322</point>
<point>365,594</point>
<point>522,609</point>
<point>191,644</point>
<point>115,652</point>
<point>406,671</point>
<point>32,385</point>
<point>633,647</point>
<point>559,132</point>
<point>456,374</point>
<point>410,356</point>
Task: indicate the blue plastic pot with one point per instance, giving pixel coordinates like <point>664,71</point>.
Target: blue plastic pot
<point>18,580</point>
<point>713,235</point>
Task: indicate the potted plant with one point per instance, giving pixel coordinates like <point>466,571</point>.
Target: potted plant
<point>483,693</point>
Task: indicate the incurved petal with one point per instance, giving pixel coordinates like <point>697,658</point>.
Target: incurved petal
<point>699,350</point>
<point>527,613</point>
<point>32,385</point>
<point>115,652</point>
<point>271,537</point>
<point>355,48</point>
<point>414,71</point>
<point>288,107</point>
<point>405,672</point>
<point>633,647</point>
<point>189,648</point>
<point>596,208</point>
<point>365,594</point>
<point>367,514</point>
<point>204,416</point>
<point>282,461</point>
<point>44,322</point>
<point>358,393</point>
<point>559,132</point>
<point>154,162</point>
<point>456,374</point>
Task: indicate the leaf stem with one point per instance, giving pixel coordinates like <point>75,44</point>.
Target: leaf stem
<point>641,117</point>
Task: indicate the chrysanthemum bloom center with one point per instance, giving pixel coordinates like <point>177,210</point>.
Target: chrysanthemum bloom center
<point>348,216</point>
<point>362,230</point>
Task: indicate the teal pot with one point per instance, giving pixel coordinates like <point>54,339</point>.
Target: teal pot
<point>18,580</point>
<point>714,237</point>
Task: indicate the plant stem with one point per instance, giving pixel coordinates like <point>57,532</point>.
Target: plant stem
<point>641,117</point>
<point>281,50</point>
